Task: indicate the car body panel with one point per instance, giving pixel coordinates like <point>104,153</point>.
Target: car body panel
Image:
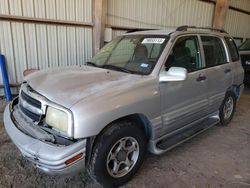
<point>180,108</point>
<point>140,97</point>
<point>69,85</point>
<point>46,156</point>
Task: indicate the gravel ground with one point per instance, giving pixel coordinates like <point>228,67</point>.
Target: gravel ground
<point>220,157</point>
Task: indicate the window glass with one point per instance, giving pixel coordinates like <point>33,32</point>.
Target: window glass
<point>214,51</point>
<point>186,54</point>
<point>104,53</point>
<point>153,50</point>
<point>232,49</point>
<point>245,45</point>
<point>123,52</point>
<point>136,54</point>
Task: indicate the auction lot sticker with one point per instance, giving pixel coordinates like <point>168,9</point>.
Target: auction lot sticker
<point>153,41</point>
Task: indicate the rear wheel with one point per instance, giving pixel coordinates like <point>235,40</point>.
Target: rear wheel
<point>227,108</point>
<point>118,154</point>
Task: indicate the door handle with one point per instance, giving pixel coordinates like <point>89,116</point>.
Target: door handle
<point>227,70</point>
<point>201,78</point>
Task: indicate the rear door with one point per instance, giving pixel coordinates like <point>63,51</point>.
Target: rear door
<point>218,69</point>
<point>235,61</point>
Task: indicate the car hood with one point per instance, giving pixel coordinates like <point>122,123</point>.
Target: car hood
<point>67,86</point>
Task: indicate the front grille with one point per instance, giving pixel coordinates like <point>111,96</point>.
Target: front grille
<point>31,100</point>
<point>30,106</point>
<point>30,114</point>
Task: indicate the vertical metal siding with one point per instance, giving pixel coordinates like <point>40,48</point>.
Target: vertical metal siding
<point>159,13</point>
<point>116,33</point>
<point>238,24</point>
<point>28,45</point>
<point>242,4</point>
<point>73,10</point>
<point>168,13</point>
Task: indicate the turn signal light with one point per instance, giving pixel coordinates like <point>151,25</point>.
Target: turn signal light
<point>73,159</point>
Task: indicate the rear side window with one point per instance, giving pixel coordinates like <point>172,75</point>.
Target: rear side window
<point>232,49</point>
<point>214,51</point>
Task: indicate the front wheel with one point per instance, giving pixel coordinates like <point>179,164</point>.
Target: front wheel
<point>118,154</point>
<point>227,109</point>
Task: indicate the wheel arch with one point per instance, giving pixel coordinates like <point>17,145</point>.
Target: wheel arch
<point>140,119</point>
<point>235,89</point>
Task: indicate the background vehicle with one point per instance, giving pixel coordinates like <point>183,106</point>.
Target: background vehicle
<point>244,50</point>
<point>144,90</point>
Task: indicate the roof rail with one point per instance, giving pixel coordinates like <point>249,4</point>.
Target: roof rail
<point>139,29</point>
<point>186,27</point>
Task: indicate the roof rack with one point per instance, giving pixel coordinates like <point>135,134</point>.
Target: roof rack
<point>186,27</point>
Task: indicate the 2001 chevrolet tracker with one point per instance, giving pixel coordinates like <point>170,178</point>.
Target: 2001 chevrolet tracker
<point>148,90</point>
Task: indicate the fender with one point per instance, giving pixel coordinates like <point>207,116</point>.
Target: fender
<point>91,116</point>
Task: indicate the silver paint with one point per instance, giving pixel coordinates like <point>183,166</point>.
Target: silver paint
<point>95,97</point>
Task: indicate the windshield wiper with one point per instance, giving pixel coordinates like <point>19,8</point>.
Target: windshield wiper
<point>113,67</point>
<point>91,64</point>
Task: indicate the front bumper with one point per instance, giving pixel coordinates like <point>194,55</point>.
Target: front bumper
<point>48,157</point>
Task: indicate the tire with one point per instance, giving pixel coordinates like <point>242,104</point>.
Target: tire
<point>115,150</point>
<point>227,109</point>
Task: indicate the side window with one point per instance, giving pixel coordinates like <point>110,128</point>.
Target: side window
<point>185,53</point>
<point>232,49</point>
<point>214,51</point>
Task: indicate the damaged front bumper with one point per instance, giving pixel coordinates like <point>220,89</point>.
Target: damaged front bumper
<point>50,158</point>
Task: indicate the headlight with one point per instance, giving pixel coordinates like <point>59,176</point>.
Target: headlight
<point>57,119</point>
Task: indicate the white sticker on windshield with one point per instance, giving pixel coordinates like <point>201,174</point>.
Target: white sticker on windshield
<point>153,41</point>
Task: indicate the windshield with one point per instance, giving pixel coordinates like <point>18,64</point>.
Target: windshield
<point>245,45</point>
<point>134,54</point>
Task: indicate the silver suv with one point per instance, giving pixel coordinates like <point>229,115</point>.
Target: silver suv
<point>149,90</point>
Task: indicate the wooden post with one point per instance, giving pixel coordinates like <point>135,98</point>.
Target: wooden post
<point>100,12</point>
<point>220,13</point>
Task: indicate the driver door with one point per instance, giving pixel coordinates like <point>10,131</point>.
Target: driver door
<point>183,102</point>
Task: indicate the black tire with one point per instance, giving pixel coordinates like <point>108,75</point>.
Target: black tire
<point>107,143</point>
<point>225,119</point>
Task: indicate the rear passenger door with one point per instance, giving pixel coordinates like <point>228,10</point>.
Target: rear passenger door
<point>218,70</point>
<point>235,61</point>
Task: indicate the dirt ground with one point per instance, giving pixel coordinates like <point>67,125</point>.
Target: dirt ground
<point>220,157</point>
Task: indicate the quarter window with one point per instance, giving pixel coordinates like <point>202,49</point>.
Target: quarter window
<point>214,51</point>
<point>186,54</point>
<point>232,49</point>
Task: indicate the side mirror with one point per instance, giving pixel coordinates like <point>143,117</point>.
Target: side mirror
<point>173,74</point>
